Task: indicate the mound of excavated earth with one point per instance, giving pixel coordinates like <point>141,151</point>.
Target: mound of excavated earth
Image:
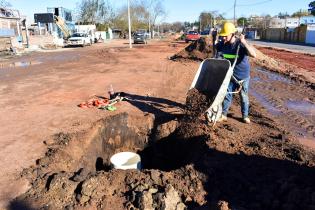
<point>197,50</point>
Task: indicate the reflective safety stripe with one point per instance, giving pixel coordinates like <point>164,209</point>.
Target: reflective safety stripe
<point>229,56</point>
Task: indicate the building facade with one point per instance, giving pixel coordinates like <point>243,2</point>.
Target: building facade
<point>307,20</point>
<point>10,24</point>
<point>291,22</point>
<point>48,22</point>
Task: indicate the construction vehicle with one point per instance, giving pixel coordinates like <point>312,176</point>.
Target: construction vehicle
<point>62,26</point>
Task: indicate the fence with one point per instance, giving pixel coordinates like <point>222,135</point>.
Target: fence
<point>285,35</point>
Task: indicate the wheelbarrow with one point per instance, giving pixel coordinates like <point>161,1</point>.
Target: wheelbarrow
<point>213,78</point>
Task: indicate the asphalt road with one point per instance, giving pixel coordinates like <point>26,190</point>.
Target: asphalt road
<point>292,47</point>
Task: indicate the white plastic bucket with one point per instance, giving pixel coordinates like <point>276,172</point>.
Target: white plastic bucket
<point>126,160</point>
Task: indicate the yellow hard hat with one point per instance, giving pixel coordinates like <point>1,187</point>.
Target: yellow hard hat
<point>227,29</point>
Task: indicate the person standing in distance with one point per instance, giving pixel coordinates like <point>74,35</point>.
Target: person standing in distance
<point>214,34</point>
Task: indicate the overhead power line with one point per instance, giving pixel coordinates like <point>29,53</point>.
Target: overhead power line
<point>253,4</point>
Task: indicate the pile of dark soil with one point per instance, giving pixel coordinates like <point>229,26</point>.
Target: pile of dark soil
<point>197,50</point>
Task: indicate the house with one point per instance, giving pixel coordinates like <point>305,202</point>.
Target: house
<point>310,34</point>
<point>307,20</point>
<point>10,22</point>
<point>277,23</point>
<point>291,22</point>
<point>10,27</point>
<point>284,22</point>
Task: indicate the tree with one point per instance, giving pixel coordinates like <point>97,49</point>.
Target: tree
<point>206,20</point>
<point>95,11</point>
<point>300,13</point>
<point>242,21</point>
<point>138,16</point>
<point>260,22</point>
<point>283,15</point>
<point>218,18</point>
<point>177,26</point>
<point>312,7</point>
<point>4,4</point>
<point>155,10</point>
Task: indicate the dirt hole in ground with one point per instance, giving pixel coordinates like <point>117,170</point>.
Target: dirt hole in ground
<point>91,151</point>
<point>163,146</point>
<point>159,146</point>
<point>74,164</point>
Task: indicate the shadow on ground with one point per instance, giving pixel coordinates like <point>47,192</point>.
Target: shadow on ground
<point>164,109</point>
<point>246,182</point>
<point>19,205</point>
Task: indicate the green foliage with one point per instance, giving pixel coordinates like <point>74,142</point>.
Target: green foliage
<point>283,15</point>
<point>300,13</point>
<point>101,26</point>
<point>242,21</point>
<point>312,7</point>
<point>138,16</point>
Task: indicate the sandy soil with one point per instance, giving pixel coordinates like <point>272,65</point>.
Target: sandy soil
<point>40,100</point>
<point>187,164</point>
<point>304,61</point>
<point>294,64</point>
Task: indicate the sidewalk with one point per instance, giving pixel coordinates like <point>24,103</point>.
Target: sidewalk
<point>296,47</point>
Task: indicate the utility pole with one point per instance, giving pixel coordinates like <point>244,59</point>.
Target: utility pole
<point>149,25</point>
<point>200,24</point>
<point>150,7</point>
<point>129,24</point>
<point>234,12</point>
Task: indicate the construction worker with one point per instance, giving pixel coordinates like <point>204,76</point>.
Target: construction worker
<point>227,47</point>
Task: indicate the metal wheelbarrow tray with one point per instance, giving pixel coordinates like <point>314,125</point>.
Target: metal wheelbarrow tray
<point>212,78</point>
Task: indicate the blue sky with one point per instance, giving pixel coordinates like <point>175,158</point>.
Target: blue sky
<point>181,10</point>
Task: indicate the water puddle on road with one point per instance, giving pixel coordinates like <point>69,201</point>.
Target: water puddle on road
<point>291,103</point>
<point>305,107</point>
<point>22,64</point>
<point>274,76</point>
<point>263,101</point>
<point>69,57</point>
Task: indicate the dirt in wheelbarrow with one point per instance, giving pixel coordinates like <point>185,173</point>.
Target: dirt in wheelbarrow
<point>186,164</point>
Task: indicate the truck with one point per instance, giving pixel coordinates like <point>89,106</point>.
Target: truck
<point>192,36</point>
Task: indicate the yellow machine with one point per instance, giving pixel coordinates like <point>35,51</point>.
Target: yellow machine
<point>62,26</point>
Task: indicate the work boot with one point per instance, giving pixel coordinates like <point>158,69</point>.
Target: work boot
<point>223,118</point>
<point>246,120</point>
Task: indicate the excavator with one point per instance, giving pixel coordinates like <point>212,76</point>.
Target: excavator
<point>62,26</point>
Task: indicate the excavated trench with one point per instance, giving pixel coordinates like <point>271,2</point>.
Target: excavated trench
<point>59,177</point>
<point>91,151</point>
